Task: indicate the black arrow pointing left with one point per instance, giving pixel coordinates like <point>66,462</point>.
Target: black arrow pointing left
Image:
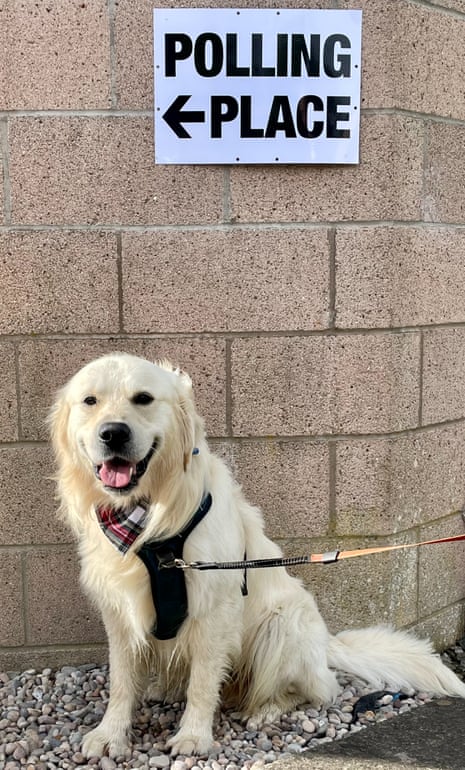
<point>175,116</point>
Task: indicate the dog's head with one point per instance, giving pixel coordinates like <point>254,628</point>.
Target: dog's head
<point>117,416</point>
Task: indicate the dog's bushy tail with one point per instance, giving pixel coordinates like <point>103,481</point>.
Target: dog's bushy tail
<point>382,656</point>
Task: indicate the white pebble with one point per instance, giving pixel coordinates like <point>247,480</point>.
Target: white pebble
<point>106,763</point>
<point>423,696</point>
<point>19,753</point>
<point>178,764</point>
<point>295,748</point>
<point>347,694</point>
<point>386,700</point>
<point>313,713</point>
<point>161,761</point>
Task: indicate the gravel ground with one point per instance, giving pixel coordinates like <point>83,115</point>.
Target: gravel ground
<point>44,714</point>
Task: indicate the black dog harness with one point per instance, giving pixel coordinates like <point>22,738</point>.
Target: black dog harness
<point>168,584</point>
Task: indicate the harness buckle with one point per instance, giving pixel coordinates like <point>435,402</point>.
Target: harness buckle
<point>165,558</point>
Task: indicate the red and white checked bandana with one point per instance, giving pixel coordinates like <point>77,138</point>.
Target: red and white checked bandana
<point>122,527</point>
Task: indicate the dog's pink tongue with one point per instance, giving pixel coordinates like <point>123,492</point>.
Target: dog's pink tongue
<point>116,475</point>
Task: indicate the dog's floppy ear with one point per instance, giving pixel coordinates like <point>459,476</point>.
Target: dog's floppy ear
<point>58,425</point>
<point>190,424</point>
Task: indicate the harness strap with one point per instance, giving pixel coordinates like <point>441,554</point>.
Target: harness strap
<point>168,584</point>
<point>329,557</point>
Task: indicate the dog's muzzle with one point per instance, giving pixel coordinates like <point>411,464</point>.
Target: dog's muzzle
<point>120,474</point>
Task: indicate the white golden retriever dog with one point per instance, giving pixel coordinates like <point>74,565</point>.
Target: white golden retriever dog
<point>133,468</point>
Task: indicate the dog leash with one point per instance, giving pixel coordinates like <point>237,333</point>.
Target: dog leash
<point>328,557</point>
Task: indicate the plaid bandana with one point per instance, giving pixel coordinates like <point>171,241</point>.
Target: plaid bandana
<point>122,527</point>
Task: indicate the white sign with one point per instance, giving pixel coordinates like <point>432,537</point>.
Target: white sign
<point>257,86</point>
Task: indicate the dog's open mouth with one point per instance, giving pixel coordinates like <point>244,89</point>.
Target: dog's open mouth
<point>120,474</point>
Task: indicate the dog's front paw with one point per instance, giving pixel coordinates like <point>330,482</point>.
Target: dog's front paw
<point>155,692</point>
<point>268,714</point>
<point>98,741</point>
<point>186,743</point>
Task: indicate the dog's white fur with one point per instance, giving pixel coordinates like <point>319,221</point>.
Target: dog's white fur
<point>269,651</point>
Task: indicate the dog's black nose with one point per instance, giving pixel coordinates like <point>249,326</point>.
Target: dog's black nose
<point>114,434</point>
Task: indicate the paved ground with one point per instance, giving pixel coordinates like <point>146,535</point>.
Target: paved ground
<point>431,737</point>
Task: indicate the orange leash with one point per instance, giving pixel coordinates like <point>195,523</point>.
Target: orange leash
<point>328,557</point>
<point>332,556</point>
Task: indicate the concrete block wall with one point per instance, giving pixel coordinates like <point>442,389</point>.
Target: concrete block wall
<point>319,310</point>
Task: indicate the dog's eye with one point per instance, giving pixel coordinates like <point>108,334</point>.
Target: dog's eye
<point>90,400</point>
<point>142,399</point>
